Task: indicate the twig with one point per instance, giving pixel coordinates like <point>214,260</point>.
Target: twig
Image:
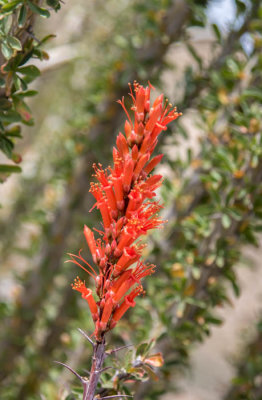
<point>96,369</point>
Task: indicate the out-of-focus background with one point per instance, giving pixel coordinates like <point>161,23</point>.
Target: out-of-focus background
<point>202,55</point>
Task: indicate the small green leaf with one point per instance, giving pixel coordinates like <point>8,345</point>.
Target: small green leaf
<point>14,43</point>
<point>217,32</point>
<point>5,104</point>
<point>9,168</point>
<point>241,6</point>
<point>10,6</point>
<point>235,214</point>
<point>17,82</point>
<point>258,228</point>
<point>14,131</point>
<point>28,93</point>
<point>195,55</point>
<point>39,10</point>
<point>6,50</point>
<point>54,4</point>
<point>5,25</point>
<point>23,84</point>
<point>6,145</point>
<point>30,72</point>
<point>220,261</point>
<point>24,111</point>
<point>226,221</point>
<point>141,349</point>
<point>47,39</point>
<point>214,321</point>
<point>255,93</point>
<point>22,16</point>
<point>10,116</point>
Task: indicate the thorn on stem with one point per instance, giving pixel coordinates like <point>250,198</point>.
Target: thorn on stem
<point>104,369</point>
<point>87,372</point>
<point>70,369</point>
<point>30,33</point>
<point>113,397</point>
<point>86,336</point>
<point>110,352</point>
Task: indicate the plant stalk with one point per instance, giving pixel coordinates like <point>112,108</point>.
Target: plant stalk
<point>97,364</point>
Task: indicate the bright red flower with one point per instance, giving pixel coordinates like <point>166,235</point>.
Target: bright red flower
<point>124,196</point>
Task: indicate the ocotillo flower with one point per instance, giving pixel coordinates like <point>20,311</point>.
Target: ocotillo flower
<point>124,196</point>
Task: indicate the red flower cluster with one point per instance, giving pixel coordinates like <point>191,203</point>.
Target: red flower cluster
<point>124,196</point>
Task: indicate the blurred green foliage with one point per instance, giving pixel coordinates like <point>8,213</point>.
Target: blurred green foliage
<point>212,195</point>
<point>19,46</point>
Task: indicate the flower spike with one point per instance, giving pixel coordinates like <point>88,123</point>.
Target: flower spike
<point>124,195</point>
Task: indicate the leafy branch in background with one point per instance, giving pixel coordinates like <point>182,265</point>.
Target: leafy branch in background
<point>216,211</point>
<point>18,47</point>
<point>247,384</point>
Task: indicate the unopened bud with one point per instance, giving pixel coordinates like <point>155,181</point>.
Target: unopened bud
<point>97,256</point>
<point>120,205</point>
<point>102,263</point>
<point>117,252</point>
<point>114,214</point>
<point>112,324</point>
<point>98,282</point>
<point>108,249</point>
<point>113,245</point>
<point>128,129</point>
<point>140,129</point>
<point>109,294</point>
<point>95,316</point>
<point>139,116</point>
<point>107,284</point>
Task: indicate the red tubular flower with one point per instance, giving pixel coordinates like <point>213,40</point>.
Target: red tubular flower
<point>127,303</point>
<point>124,288</point>
<point>122,195</point>
<point>90,241</point>
<point>118,282</point>
<point>87,295</point>
<point>104,210</point>
<point>127,237</point>
<point>111,200</point>
<point>107,311</point>
<point>128,174</point>
<point>153,163</point>
<point>129,254</point>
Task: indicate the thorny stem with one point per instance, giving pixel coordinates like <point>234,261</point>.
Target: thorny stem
<point>99,355</point>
